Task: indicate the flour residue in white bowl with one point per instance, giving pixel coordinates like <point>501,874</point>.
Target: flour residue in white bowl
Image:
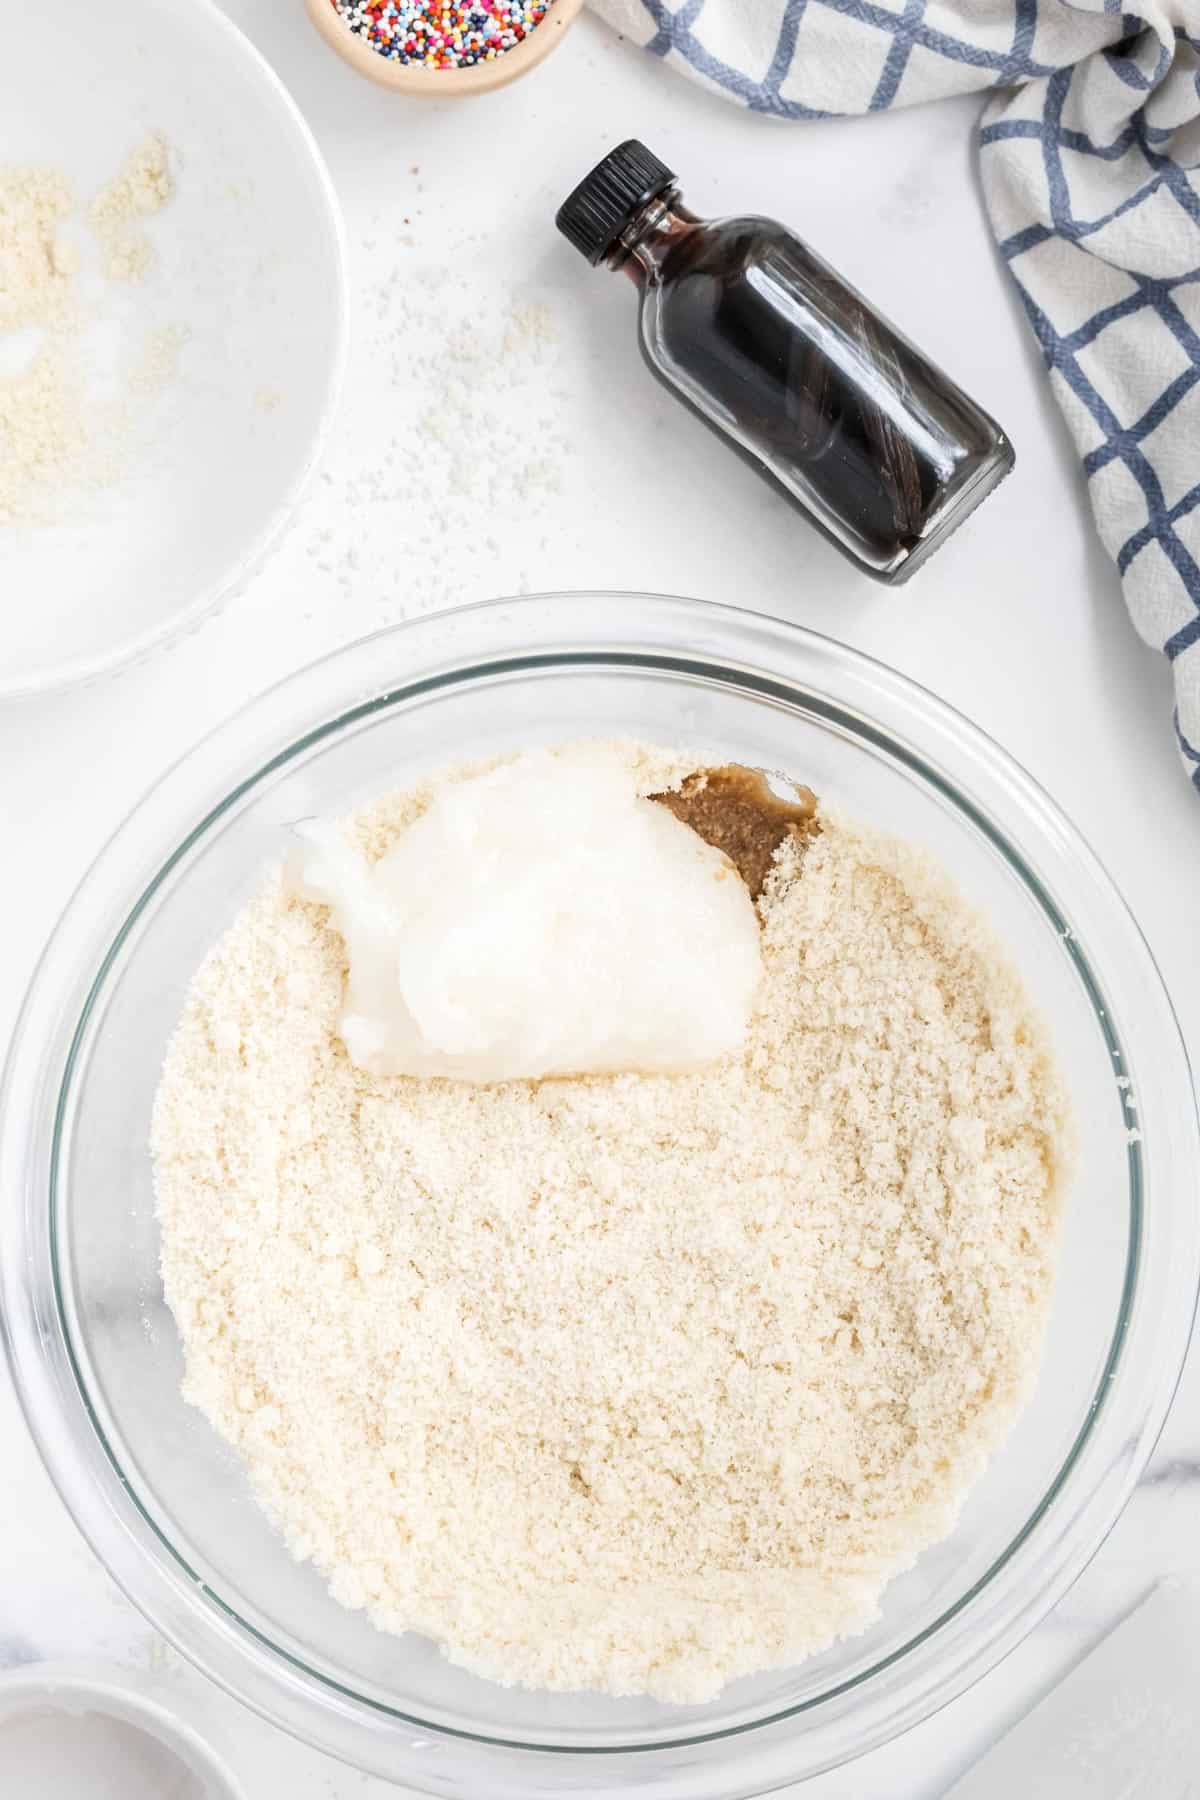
<point>184,214</point>
<point>75,401</point>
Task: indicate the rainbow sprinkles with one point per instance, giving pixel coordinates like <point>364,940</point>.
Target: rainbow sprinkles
<point>441,35</point>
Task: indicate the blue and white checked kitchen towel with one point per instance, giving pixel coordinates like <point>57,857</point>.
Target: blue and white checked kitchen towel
<point>1091,170</point>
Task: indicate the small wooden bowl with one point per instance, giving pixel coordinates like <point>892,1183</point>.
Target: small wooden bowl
<point>444,84</point>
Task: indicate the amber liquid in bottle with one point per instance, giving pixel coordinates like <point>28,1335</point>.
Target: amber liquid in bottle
<point>780,355</point>
<point>791,366</point>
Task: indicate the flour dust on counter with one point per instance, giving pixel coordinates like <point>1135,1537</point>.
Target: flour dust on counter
<point>474,445</point>
<point>632,1382</point>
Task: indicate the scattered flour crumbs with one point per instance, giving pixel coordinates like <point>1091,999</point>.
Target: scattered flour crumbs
<point>467,370</point>
<point>628,1383</point>
<point>61,433</point>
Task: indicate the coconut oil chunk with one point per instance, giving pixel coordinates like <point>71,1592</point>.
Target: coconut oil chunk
<point>540,918</point>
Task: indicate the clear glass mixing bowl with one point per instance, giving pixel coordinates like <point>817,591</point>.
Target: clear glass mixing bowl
<point>95,1354</point>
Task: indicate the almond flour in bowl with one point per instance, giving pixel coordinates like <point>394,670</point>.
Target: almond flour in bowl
<point>98,1360</point>
<point>627,1383</point>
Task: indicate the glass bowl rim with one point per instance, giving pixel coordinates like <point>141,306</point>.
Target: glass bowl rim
<point>578,630</point>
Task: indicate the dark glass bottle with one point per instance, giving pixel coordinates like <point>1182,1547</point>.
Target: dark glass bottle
<point>879,449</point>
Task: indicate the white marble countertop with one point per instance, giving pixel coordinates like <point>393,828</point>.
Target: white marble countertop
<point>1019,622</point>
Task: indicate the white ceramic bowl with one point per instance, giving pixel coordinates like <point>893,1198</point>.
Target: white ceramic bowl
<point>63,1722</point>
<point>249,264</point>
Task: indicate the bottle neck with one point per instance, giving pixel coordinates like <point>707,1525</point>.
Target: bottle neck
<point>651,236</point>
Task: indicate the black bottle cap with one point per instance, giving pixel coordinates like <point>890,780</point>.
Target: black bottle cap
<point>594,216</point>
